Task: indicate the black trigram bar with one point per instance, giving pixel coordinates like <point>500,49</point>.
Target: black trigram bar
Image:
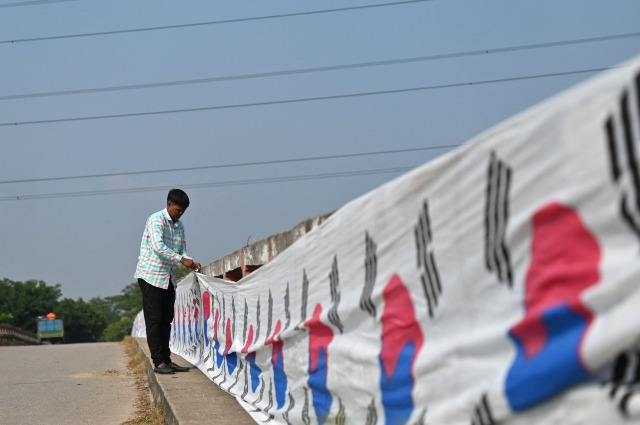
<point>245,316</point>
<point>233,315</point>
<point>341,416</point>
<point>287,312</point>
<point>269,314</point>
<point>303,301</point>
<point>292,403</point>
<point>224,373</point>
<point>422,419</point>
<point>262,387</point>
<point>305,408</point>
<point>245,390</point>
<point>625,378</point>
<point>267,409</point>
<point>482,413</point>
<point>372,414</point>
<point>334,283</point>
<point>371,268</point>
<point>223,318</point>
<point>212,369</point>
<point>429,277</point>
<point>258,321</point>
<point>622,139</point>
<point>497,258</point>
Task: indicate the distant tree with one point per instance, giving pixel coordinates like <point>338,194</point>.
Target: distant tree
<point>118,330</point>
<point>100,319</point>
<point>82,321</point>
<point>129,302</point>
<point>105,306</point>
<point>181,272</point>
<point>6,318</point>
<point>124,308</point>
<point>25,301</point>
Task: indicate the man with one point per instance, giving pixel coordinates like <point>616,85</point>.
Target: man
<point>162,249</point>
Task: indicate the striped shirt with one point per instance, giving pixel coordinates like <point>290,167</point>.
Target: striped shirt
<point>162,247</point>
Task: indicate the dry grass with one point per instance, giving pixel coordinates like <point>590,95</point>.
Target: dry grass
<point>146,412</point>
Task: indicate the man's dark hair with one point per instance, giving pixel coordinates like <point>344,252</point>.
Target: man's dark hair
<point>178,197</point>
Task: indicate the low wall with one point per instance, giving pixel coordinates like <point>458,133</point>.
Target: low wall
<point>242,262</point>
<point>10,335</point>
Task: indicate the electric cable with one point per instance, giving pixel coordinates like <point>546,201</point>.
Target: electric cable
<point>32,3</point>
<point>207,185</point>
<point>307,99</point>
<point>232,165</point>
<point>325,68</point>
<point>199,24</point>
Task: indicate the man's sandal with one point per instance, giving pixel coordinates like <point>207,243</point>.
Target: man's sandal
<point>178,368</point>
<point>164,368</point>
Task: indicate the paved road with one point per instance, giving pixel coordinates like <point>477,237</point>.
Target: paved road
<point>65,384</point>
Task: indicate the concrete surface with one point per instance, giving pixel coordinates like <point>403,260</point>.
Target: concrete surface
<point>66,384</point>
<point>190,398</point>
<point>236,265</point>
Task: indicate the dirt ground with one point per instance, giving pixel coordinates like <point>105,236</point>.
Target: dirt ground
<point>146,412</point>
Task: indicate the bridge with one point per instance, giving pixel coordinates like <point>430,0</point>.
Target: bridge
<point>497,284</point>
<point>10,335</point>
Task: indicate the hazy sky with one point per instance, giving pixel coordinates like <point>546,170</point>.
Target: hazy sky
<point>124,89</point>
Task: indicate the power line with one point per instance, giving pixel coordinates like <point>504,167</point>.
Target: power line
<point>226,21</point>
<point>307,99</point>
<point>32,3</point>
<point>326,68</point>
<point>233,165</point>
<point>207,185</point>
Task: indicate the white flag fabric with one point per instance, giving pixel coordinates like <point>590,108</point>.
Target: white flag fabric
<point>498,284</point>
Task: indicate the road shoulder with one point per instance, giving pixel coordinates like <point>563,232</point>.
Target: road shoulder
<point>188,398</point>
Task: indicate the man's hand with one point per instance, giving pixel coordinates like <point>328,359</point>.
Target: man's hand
<point>189,263</point>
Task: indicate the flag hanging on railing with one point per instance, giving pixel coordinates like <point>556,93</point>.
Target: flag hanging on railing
<point>496,284</point>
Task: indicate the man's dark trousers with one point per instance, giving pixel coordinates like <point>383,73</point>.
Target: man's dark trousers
<point>157,305</point>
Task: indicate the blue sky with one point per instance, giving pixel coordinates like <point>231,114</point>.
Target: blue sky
<point>419,78</point>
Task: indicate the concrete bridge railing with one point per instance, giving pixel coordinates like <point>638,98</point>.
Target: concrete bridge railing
<point>242,262</point>
<point>10,335</point>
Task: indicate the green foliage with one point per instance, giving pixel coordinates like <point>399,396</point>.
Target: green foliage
<point>82,322</point>
<point>6,318</point>
<point>118,330</point>
<point>105,306</point>
<point>99,319</point>
<point>25,301</point>
<point>129,302</point>
<point>124,308</point>
<point>182,271</point>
